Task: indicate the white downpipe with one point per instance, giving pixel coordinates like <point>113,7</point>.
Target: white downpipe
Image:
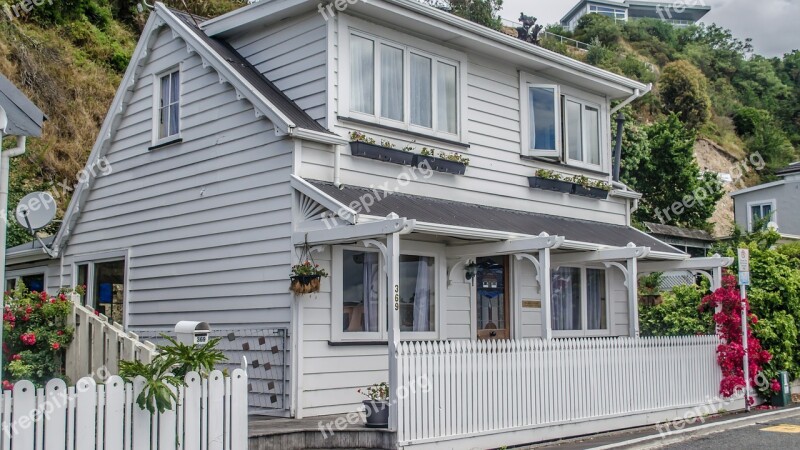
<point>4,172</point>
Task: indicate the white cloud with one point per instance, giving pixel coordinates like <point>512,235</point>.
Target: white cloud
<point>771,23</point>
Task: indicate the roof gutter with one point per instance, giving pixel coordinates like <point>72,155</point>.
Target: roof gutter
<point>636,94</point>
<point>317,136</point>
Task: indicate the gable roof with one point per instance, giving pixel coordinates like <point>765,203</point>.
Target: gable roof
<point>288,108</point>
<point>18,115</point>
<point>267,100</point>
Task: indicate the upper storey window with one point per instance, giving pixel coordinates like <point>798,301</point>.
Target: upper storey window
<point>560,125</point>
<point>167,106</point>
<point>401,86</point>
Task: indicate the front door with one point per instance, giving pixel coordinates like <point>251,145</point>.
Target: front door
<point>491,279</point>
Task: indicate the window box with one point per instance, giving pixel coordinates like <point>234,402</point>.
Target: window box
<point>441,164</point>
<point>381,153</point>
<point>591,192</point>
<point>547,184</point>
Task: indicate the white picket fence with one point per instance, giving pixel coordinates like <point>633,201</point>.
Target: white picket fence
<point>211,414</point>
<point>469,388</point>
<point>99,345</point>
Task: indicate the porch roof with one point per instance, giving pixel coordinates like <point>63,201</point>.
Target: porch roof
<point>446,212</point>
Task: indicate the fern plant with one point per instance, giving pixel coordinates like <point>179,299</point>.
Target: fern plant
<point>168,369</point>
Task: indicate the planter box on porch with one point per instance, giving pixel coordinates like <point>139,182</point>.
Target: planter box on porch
<point>591,192</point>
<point>441,164</point>
<point>381,153</point>
<point>548,184</point>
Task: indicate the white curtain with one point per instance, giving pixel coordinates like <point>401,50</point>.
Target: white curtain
<point>362,75</point>
<point>592,139</point>
<point>391,83</point>
<point>421,91</point>
<point>174,104</point>
<point>566,298</point>
<point>422,295</point>
<point>595,298</point>
<point>371,286</point>
<point>446,98</point>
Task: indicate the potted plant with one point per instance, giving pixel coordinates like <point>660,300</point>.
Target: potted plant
<point>305,277</point>
<point>590,188</point>
<point>361,145</point>
<point>550,181</point>
<point>447,163</point>
<point>376,407</point>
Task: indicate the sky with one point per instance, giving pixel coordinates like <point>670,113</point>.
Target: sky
<point>773,24</point>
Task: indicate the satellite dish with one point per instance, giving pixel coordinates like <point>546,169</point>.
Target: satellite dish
<point>36,210</point>
<point>772,226</point>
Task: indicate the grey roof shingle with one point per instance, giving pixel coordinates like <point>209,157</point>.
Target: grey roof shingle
<point>448,212</point>
<point>24,117</point>
<point>670,230</point>
<point>246,70</point>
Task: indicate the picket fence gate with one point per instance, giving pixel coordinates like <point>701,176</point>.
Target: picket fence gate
<point>100,344</point>
<point>468,388</point>
<point>210,414</point>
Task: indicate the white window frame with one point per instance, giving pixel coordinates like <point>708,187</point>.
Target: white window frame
<point>349,25</point>
<point>584,331</point>
<point>156,140</point>
<point>19,273</point>
<point>91,259</point>
<point>771,202</point>
<point>526,83</point>
<point>600,123</point>
<point>407,248</point>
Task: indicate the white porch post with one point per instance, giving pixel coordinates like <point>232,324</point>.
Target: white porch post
<point>633,296</point>
<point>393,275</point>
<point>716,278</point>
<point>544,288</point>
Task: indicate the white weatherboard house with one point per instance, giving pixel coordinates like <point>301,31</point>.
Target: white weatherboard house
<point>514,307</point>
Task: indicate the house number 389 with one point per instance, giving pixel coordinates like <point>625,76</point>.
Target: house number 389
<point>396,297</point>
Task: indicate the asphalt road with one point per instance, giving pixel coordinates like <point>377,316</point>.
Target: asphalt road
<point>755,437</point>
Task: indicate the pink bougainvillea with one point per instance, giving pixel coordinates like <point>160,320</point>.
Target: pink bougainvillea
<point>730,353</point>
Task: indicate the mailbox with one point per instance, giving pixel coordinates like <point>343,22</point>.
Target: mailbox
<point>190,333</point>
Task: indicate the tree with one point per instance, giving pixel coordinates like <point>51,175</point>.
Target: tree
<point>659,162</point>
<point>684,91</point>
<point>596,26</point>
<point>483,12</point>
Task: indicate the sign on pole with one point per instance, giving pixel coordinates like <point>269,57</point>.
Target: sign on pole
<point>744,267</point>
<point>744,281</point>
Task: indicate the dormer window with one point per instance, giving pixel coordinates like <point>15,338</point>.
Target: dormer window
<point>401,86</point>
<point>167,107</point>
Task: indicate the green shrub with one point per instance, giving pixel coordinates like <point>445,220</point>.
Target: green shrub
<point>677,314</point>
<point>595,26</point>
<point>684,91</point>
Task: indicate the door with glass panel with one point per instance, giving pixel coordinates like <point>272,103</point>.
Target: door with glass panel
<point>491,289</point>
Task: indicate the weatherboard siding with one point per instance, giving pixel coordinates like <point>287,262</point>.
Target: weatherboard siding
<point>787,204</point>
<point>292,54</point>
<point>206,222</point>
<point>496,176</point>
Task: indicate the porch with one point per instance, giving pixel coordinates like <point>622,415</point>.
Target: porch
<point>527,336</point>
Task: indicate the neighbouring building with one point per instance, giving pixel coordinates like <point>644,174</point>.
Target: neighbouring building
<point>680,14</point>
<point>779,201</point>
<point>290,131</point>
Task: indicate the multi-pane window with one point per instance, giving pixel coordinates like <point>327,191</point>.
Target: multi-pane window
<point>614,13</point>
<point>561,126</point>
<point>400,86</point>
<point>168,114</point>
<point>363,294</point>
<point>579,300</point>
<point>105,287</point>
<point>33,282</point>
<point>761,213</point>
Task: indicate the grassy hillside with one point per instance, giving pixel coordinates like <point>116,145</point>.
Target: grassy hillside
<point>69,58</point>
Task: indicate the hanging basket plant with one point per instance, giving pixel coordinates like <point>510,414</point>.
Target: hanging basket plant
<point>305,277</point>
